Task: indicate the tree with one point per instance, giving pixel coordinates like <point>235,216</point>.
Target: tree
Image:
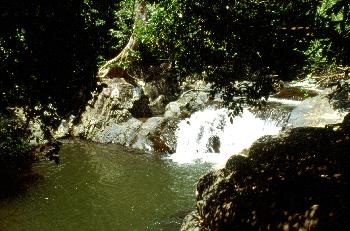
<point>243,47</point>
<point>333,35</point>
<point>138,17</point>
<point>49,53</point>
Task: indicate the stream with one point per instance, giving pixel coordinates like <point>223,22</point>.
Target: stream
<point>111,187</point>
<point>104,187</point>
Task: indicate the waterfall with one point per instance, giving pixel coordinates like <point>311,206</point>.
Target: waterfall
<point>211,136</point>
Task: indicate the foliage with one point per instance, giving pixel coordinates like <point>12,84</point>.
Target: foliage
<point>333,33</point>
<point>329,45</point>
<point>99,19</point>
<point>50,50</point>
<point>227,42</point>
<point>316,58</point>
<point>124,19</point>
<point>49,53</point>
<point>14,147</point>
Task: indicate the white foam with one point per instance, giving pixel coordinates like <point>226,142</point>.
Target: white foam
<point>194,134</point>
<point>284,101</point>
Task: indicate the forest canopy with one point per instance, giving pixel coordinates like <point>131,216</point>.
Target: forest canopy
<point>242,47</point>
<point>48,52</point>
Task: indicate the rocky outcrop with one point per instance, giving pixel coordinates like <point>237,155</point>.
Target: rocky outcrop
<point>108,107</point>
<point>136,114</point>
<point>298,180</point>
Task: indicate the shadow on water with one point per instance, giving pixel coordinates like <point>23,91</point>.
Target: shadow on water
<point>13,185</point>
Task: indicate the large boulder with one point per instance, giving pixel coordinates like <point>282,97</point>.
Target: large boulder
<point>298,180</point>
<point>109,106</point>
<point>189,102</point>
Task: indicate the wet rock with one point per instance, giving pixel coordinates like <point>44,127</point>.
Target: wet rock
<point>298,180</point>
<point>315,112</point>
<point>294,93</point>
<point>274,111</point>
<point>122,112</point>
<point>165,138</point>
<point>157,135</point>
<point>119,133</point>
<point>189,102</point>
<point>147,130</point>
<point>192,222</point>
<point>214,144</point>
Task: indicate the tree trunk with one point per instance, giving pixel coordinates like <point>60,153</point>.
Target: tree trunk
<point>113,67</point>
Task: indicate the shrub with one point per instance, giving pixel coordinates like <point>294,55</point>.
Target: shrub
<point>15,156</point>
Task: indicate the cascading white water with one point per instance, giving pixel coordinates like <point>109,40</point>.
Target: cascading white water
<point>209,135</point>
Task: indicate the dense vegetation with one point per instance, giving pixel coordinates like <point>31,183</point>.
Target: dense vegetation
<point>228,41</point>
<point>50,50</point>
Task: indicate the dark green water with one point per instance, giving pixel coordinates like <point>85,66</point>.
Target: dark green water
<point>104,187</point>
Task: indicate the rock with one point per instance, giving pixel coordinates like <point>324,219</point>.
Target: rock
<point>159,92</point>
<point>147,130</point>
<point>192,101</point>
<point>138,114</point>
<point>119,133</point>
<point>64,129</point>
<point>140,108</point>
<point>172,110</point>
<point>189,102</point>
<point>157,135</point>
<point>109,107</point>
<point>38,136</point>
<point>164,139</point>
<point>214,144</point>
<point>157,107</point>
<point>191,222</point>
<point>314,112</point>
<point>298,180</point>
<point>340,97</point>
<point>121,112</point>
<point>154,88</point>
